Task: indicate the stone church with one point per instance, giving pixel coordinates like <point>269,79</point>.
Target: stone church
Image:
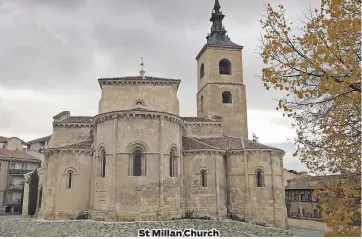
<point>138,159</point>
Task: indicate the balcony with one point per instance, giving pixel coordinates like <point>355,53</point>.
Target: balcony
<point>16,187</point>
<point>19,171</point>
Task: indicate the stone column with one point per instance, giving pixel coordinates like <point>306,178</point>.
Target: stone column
<point>161,176</point>
<point>45,187</point>
<point>247,186</point>
<point>26,194</point>
<point>217,185</point>
<point>272,164</point>
<point>111,164</point>
<point>94,169</point>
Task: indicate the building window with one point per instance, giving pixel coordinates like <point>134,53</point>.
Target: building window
<point>102,161</point>
<point>225,67</point>
<point>202,70</point>
<point>23,166</point>
<point>226,97</point>
<point>173,164</point>
<point>70,179</point>
<point>12,166</point>
<point>259,177</point>
<point>137,162</point>
<point>0,166</point>
<point>203,178</point>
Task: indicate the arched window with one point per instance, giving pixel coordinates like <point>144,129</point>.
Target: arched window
<point>202,104</point>
<point>137,162</point>
<point>70,179</point>
<point>226,97</point>
<point>225,67</point>
<point>202,70</point>
<point>102,161</point>
<point>259,177</point>
<point>140,102</point>
<point>203,178</point>
<point>173,164</point>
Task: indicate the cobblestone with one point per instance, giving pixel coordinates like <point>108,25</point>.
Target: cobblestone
<point>31,227</point>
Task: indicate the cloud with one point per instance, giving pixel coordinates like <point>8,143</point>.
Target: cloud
<point>52,53</point>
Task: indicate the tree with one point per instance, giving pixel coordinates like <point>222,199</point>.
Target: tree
<point>319,71</point>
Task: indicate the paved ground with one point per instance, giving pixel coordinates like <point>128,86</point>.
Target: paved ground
<point>30,227</point>
<point>307,228</point>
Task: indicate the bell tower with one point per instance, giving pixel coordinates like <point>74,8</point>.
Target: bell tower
<point>221,90</point>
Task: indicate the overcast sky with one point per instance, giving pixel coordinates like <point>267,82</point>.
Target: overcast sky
<point>52,53</point>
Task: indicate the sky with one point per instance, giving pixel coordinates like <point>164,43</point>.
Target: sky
<point>52,53</point>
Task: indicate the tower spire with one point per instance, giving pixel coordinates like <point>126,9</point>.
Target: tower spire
<point>217,5</point>
<point>142,72</point>
<point>218,35</point>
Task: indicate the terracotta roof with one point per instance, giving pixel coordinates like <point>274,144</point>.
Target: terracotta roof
<point>139,78</point>
<point>199,119</point>
<point>3,139</point>
<point>189,143</point>
<point>249,144</point>
<point>78,119</point>
<point>87,144</point>
<point>309,181</point>
<point>222,143</point>
<point>42,139</point>
<point>13,154</point>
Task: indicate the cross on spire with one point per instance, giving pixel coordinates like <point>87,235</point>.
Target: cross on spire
<point>142,72</point>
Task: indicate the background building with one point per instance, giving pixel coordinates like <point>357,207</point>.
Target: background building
<point>292,174</point>
<point>14,163</point>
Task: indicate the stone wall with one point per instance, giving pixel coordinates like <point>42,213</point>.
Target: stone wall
<point>148,197</point>
<point>263,205</point>
<point>60,202</point>
<point>213,84</point>
<point>69,134</point>
<point>202,129</point>
<point>206,201</point>
<point>155,97</point>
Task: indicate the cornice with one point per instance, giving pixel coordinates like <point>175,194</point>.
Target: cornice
<point>54,151</point>
<point>203,151</point>
<point>136,114</point>
<point>188,123</point>
<point>206,46</point>
<point>146,81</point>
<point>72,125</point>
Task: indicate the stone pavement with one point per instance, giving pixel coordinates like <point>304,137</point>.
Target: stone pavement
<point>30,227</point>
<point>307,228</point>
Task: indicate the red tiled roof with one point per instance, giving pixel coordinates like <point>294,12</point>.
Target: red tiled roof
<point>87,144</point>
<point>78,119</point>
<point>13,154</point>
<point>3,139</point>
<point>223,143</point>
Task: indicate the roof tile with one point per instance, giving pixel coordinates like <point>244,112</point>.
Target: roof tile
<point>21,155</point>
